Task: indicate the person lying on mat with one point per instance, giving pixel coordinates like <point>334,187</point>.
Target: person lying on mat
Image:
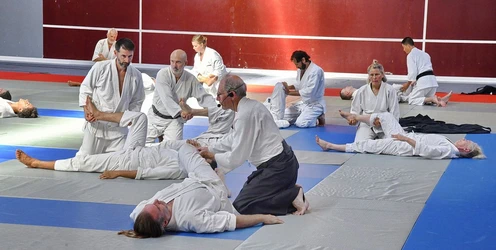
<point>22,108</point>
<point>198,204</point>
<point>397,142</point>
<point>133,161</point>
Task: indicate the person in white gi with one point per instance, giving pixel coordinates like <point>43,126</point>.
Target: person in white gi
<point>310,85</point>
<point>421,77</point>
<point>104,49</point>
<point>165,117</point>
<point>114,86</point>
<point>374,97</point>
<point>397,142</point>
<point>133,161</point>
<point>208,66</point>
<point>198,204</point>
<point>22,108</point>
<point>272,188</point>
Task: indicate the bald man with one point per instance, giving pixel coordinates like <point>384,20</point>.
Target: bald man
<point>165,117</point>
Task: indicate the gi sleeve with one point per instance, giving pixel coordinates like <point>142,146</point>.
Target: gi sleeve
<point>88,85</point>
<point>98,49</point>
<point>243,139</point>
<point>356,106</point>
<point>412,67</point>
<point>160,173</point>
<point>164,90</point>
<point>393,104</point>
<point>218,66</point>
<point>432,152</point>
<point>211,222</point>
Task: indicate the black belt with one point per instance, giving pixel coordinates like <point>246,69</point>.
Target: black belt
<point>425,73</point>
<point>155,111</point>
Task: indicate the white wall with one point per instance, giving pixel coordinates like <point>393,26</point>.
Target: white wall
<point>21,28</point>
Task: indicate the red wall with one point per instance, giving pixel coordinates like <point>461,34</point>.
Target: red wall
<point>317,23</point>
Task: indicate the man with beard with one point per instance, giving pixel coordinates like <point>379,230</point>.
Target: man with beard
<point>115,86</point>
<point>165,117</point>
<point>310,85</point>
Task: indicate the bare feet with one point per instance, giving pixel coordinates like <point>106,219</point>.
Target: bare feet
<point>184,107</point>
<point>92,108</point>
<point>323,144</point>
<point>73,84</point>
<point>300,203</point>
<point>446,98</point>
<point>321,120</point>
<point>348,116</point>
<point>25,159</point>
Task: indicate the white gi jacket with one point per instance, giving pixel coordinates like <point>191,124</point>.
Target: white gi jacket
<point>168,93</point>
<point>254,137</point>
<point>312,86</point>
<point>418,62</point>
<point>211,64</point>
<point>102,48</point>
<point>102,85</point>
<point>5,109</point>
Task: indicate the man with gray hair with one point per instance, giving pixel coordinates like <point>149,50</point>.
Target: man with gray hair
<point>272,188</point>
<point>165,117</point>
<point>104,49</point>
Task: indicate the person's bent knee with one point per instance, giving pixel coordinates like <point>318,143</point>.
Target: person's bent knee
<point>279,87</point>
<point>305,124</point>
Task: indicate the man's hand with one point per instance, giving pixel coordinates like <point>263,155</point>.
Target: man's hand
<point>88,116</point>
<point>352,121</point>
<point>405,86</point>
<point>194,143</point>
<point>377,122</point>
<point>286,88</point>
<point>186,115</point>
<point>109,175</point>
<point>269,219</point>
<point>206,154</point>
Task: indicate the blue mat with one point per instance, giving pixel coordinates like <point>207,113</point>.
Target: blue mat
<point>304,139</point>
<point>61,113</point>
<point>46,154</point>
<point>191,131</point>
<point>461,211</point>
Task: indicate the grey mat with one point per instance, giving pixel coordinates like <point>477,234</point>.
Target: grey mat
<point>340,223</point>
<point>18,181</point>
<point>380,177</point>
<point>36,237</point>
<point>312,157</point>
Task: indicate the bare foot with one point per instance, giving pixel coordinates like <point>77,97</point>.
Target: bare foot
<point>347,115</point>
<point>73,83</point>
<point>447,97</point>
<point>300,203</point>
<point>323,144</point>
<point>321,120</point>
<point>92,108</point>
<point>184,107</point>
<point>221,175</point>
<point>25,159</point>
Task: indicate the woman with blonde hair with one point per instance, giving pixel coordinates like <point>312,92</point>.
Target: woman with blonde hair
<point>375,97</point>
<point>397,142</point>
<point>208,66</point>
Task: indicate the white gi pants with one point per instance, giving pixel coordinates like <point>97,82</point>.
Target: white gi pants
<point>120,160</point>
<point>171,129</point>
<point>388,145</point>
<point>301,114</point>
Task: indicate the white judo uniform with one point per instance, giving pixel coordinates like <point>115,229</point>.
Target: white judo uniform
<point>211,64</point>
<point>366,102</point>
<point>418,62</point>
<point>305,112</point>
<point>162,116</point>
<point>102,85</point>
<point>159,162</point>
<point>5,109</point>
<point>102,48</point>
<point>200,201</point>
<point>430,146</point>
<point>220,123</point>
